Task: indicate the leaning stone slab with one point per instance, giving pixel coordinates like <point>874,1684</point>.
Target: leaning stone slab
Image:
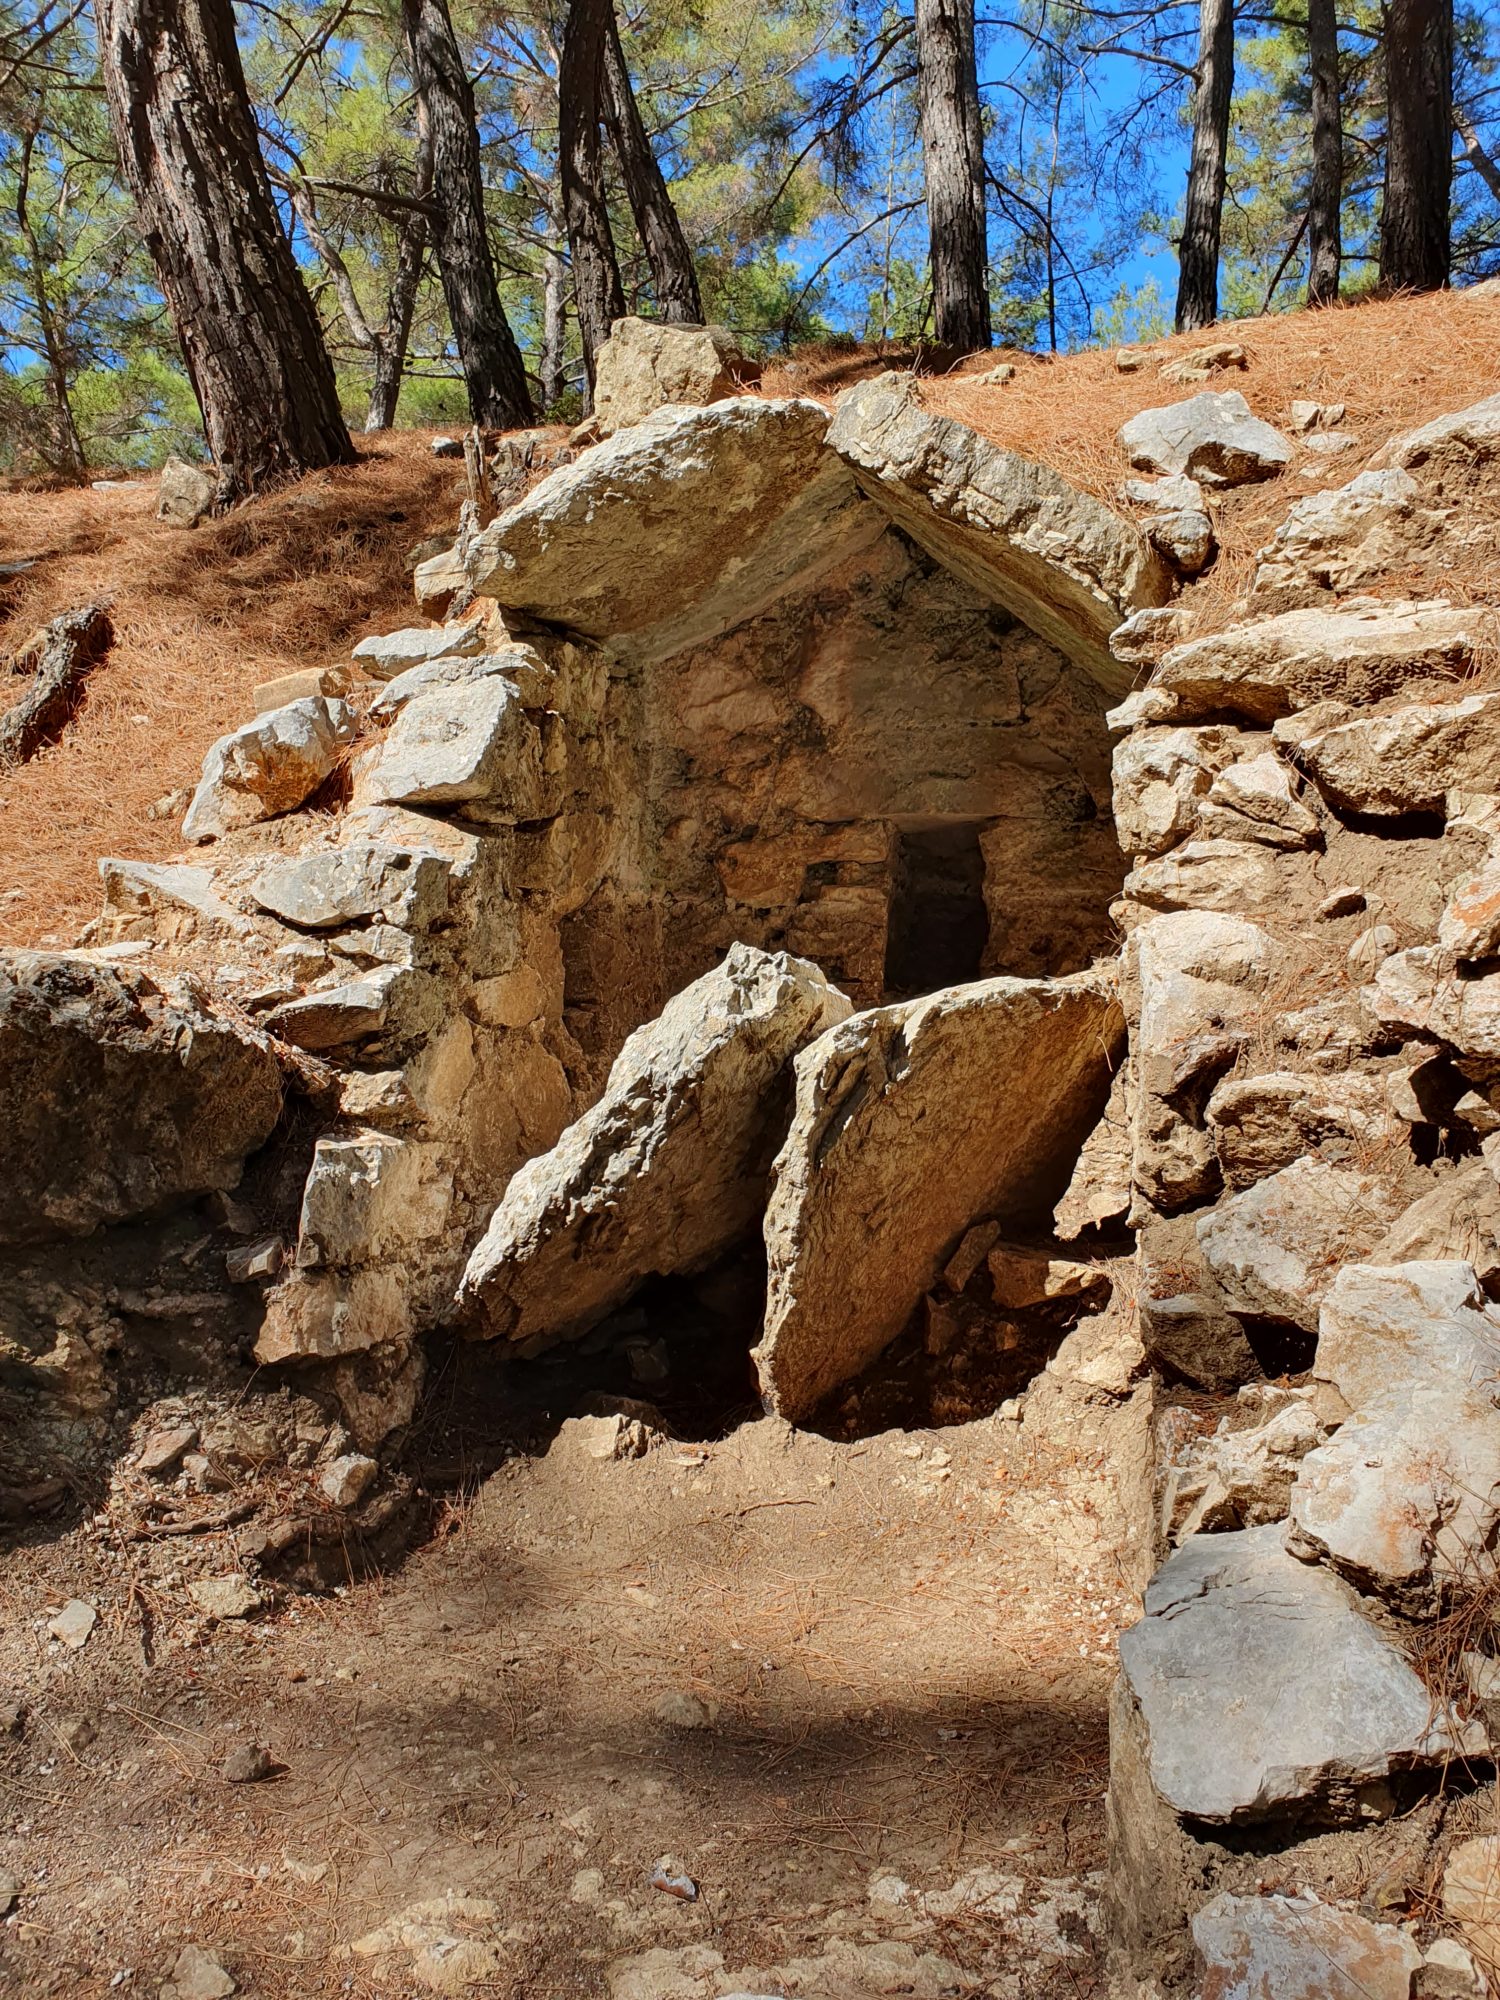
<point>911,1122</point>
<point>1267,1694</point>
<point>267,767</point>
<point>471,744</point>
<point>1296,1948</point>
<point>668,1169</point>
<point>676,529</point>
<point>645,364</point>
<point>1068,566</point>
<point>1214,438</point>
<point>118,1096</point>
<point>340,885</point>
<point>1276,666</point>
<point>392,654</point>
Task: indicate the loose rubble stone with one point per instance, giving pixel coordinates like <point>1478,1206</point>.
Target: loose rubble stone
<point>393,653</point>
<point>225,1597</point>
<point>1258,798</point>
<point>645,364</point>
<point>1427,991</point>
<point>1267,1693</point>
<point>348,1478</point>
<point>186,493</point>
<point>247,1764</point>
<point>330,682</point>
<point>668,533</point>
<point>1242,1478</point>
<point>1214,438</point>
<point>1448,1972</point>
<point>1161,778</point>
<point>1065,564</point>
<point>249,1261</point>
<point>267,767</point>
<point>333,1017</point>
<point>198,1975</point>
<point>1185,1323</point>
<point>10,1891</point>
<point>118,1096</point>
<point>162,889</point>
<point>1454,452</point>
<point>358,879</point>
<point>1021,1277</point>
<point>1276,666</point>
<point>1338,541</point>
<point>1296,1948</point>
<point>472,744</point>
<point>668,1169</point>
<point>74,1624</point>
<point>1459,1218</point>
<point>1229,875</point>
<point>1406,761</point>
<point>1470,925</point>
<point>1471,1891</point>
<point>163,1449</point>
<point>911,1121</point>
<point>1275,1248</point>
<point>1099,1192</point>
<point>1141,637</point>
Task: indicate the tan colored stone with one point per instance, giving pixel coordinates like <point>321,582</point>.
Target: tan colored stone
<point>1471,1887</point>
<point>910,1122</point>
<point>1275,1248</point>
<point>326,681</point>
<point>1019,533</point>
<point>1296,1948</point>
<point>267,767</point>
<point>645,363</point>
<point>1405,761</point>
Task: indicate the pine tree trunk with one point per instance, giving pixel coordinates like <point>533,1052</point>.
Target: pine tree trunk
<point>1198,253</point>
<point>1327,192</point>
<point>554,326</point>
<point>672,275</point>
<point>1415,214</point>
<point>411,253</point>
<point>596,276</point>
<point>953,149</point>
<point>249,334</point>
<point>487,351</point>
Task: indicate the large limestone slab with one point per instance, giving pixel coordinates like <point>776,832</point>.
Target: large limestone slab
<point>1214,437</point>
<point>668,1169</point>
<point>1388,1327</point>
<point>1067,566</point>
<point>645,364</point>
<point>118,1096</point>
<point>1296,1948</point>
<point>910,1122</point>
<point>268,767</point>
<point>1276,666</point>
<point>1267,1693</point>
<point>676,529</point>
<point>1406,761</point>
<point>363,878</point>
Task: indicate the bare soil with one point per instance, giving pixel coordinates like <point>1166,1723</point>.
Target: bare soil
<point>824,1680</point>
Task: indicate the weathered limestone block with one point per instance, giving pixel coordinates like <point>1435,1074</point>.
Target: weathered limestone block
<point>1258,798</point>
<point>1099,1192</point>
<point>1471,1889</point>
<point>394,652</point>
<point>1455,454</point>
<point>1162,777</point>
<point>910,1122</point>
<point>1224,875</point>
<point>1064,563</point>
<point>182,901</point>
<point>386,999</point>
<point>186,493</point>
<point>1386,1328</point>
<point>1263,1123</point>
<point>118,1095</point>
<point>1275,1247</point>
<point>1406,761</point>
<point>672,531</point>
<point>1426,991</point>
<point>338,885</point>
<point>1242,1478</point>
<point>369,1196</point>
<point>1201,975</point>
<point>537,684</point>
<point>668,1169</point>
<point>267,766</point>
<point>645,364</point>
<point>1266,1692</point>
<point>1404,1499</point>
<point>1336,542</point>
<point>1296,1948</point>
<point>1277,666</point>
<point>1470,925</point>
<point>1214,437</point>
<point>1185,1322</point>
<point>1458,1219</point>
<point>322,1315</point>
<point>471,744</point>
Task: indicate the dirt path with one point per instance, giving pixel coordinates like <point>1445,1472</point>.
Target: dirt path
<point>854,1690</point>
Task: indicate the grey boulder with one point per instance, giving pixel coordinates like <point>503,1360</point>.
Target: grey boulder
<point>1214,438</point>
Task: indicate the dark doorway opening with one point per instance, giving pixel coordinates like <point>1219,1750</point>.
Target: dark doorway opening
<point>938,926</point>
